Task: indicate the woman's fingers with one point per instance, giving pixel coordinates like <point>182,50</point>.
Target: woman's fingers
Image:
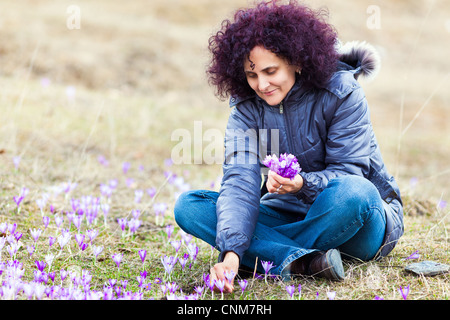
<point>278,184</point>
<point>220,272</point>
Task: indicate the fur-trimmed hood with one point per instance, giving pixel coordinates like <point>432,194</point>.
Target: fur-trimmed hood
<point>361,56</point>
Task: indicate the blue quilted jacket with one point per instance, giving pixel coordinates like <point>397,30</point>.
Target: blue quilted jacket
<point>330,133</point>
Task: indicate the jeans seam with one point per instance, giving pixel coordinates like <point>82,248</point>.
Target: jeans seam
<point>340,234</point>
<point>291,258</point>
<point>351,225</point>
<point>208,198</point>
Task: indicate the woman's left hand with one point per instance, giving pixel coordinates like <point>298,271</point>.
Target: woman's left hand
<point>280,185</point>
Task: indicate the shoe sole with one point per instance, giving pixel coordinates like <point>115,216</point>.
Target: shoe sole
<point>334,260</point>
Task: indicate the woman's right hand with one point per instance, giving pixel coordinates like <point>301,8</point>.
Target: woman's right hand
<point>229,265</point>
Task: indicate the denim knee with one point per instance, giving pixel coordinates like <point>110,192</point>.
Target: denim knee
<point>355,191</point>
<point>182,207</point>
<point>194,206</point>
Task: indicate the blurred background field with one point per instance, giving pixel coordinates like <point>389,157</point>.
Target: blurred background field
<point>121,82</point>
<point>144,63</point>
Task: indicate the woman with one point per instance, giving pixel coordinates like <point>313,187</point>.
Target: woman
<point>293,90</point>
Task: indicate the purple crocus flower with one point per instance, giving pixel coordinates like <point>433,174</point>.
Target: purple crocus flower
<point>79,238</point>
<point>63,273</point>
<point>16,161</point>
<point>3,227</point>
<point>140,280</point>
<point>442,204</point>
<point>176,244</point>
<point>267,265</point>
<point>206,279</point>
<point>51,275</point>
<point>30,249</point>
<point>172,287</point>
<point>414,255</point>
<point>106,191</point>
<point>41,265</point>
<point>136,213</point>
<point>199,290</point>
<point>290,290</point>
<point>122,223</point>
<point>41,203</point>
<point>125,167</point>
<point>46,221</point>
<point>2,242</point>
<point>220,284</point>
<point>112,282</point>
<point>58,221</point>
<point>117,259</point>
<point>49,259</point>
<point>169,263</point>
<point>286,165</point>
<point>129,182</point>
<point>77,221</point>
<point>169,230</point>
<point>97,250</point>
<point>105,208</point>
<point>12,227</point>
<point>18,200</point>
<point>404,292</point>
<point>183,260</point>
<point>63,239</point>
<point>92,234</point>
<point>51,241</point>
<point>17,235</point>
<point>193,250</point>
<point>142,255</point>
<point>229,275</point>
<point>134,224</point>
<point>151,192</point>
<point>102,160</point>
<point>138,195</point>
<point>243,284</point>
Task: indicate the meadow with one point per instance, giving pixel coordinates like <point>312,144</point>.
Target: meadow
<point>91,95</point>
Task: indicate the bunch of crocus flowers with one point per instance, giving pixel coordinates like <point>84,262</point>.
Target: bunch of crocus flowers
<point>286,165</point>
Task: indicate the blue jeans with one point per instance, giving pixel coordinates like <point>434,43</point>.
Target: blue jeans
<point>347,215</point>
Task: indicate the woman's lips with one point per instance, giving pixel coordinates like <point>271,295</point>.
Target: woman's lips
<point>269,93</point>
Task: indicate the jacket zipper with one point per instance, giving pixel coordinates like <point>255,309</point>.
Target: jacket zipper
<point>288,128</point>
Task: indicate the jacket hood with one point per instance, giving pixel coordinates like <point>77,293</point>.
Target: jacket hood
<point>362,56</point>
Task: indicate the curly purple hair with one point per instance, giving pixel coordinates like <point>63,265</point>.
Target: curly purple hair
<point>294,32</point>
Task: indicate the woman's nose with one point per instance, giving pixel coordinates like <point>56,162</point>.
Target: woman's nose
<point>263,84</point>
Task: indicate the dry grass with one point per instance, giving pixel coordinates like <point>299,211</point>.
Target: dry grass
<point>138,72</point>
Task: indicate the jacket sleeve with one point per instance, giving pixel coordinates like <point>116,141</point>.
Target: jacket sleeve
<point>239,196</point>
<point>348,144</point>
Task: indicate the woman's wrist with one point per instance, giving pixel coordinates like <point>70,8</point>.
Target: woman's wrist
<point>298,181</point>
<point>232,259</point>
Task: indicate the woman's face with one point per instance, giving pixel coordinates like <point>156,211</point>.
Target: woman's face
<point>269,75</point>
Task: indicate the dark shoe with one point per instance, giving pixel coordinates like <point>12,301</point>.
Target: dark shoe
<point>327,265</point>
